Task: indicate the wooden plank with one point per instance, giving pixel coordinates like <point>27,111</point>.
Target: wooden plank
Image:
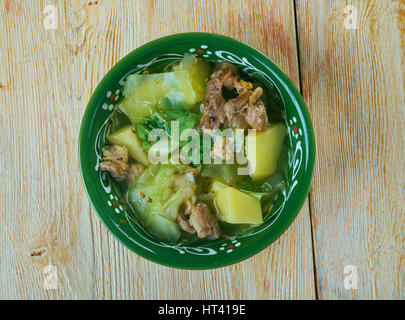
<point>353,81</point>
<point>47,79</point>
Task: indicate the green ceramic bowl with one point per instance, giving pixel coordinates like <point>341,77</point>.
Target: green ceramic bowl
<point>106,198</point>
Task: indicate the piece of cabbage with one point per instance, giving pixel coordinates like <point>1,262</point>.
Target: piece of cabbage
<point>181,89</point>
<point>144,93</point>
<point>227,173</point>
<point>157,196</point>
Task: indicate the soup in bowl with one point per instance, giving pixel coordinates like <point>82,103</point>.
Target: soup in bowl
<point>196,151</point>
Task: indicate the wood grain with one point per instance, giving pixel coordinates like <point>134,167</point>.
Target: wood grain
<point>47,77</point>
<point>353,81</point>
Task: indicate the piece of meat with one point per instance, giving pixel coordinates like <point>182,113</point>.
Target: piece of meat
<point>255,96</point>
<point>184,224</point>
<point>200,220</point>
<point>244,111</point>
<point>189,205</point>
<point>242,86</point>
<point>234,107</point>
<point>213,111</point>
<point>196,218</point>
<point>256,115</point>
<point>238,121</point>
<point>222,148</point>
<point>134,172</point>
<point>184,215</point>
<point>226,75</point>
<point>247,110</point>
<point>115,161</point>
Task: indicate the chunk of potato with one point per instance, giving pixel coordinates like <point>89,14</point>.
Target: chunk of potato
<point>237,207</point>
<point>127,137</point>
<point>143,93</point>
<point>263,150</point>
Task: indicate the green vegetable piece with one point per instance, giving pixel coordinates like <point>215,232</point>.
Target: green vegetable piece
<point>164,229</point>
<point>225,172</point>
<point>181,89</point>
<point>142,131</point>
<point>144,93</point>
<point>157,196</point>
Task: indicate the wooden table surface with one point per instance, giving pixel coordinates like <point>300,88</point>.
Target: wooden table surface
<point>349,63</point>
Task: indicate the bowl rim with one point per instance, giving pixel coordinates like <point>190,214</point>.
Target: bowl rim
<point>282,77</point>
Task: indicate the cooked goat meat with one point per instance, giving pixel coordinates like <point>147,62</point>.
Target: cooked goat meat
<point>230,80</point>
<point>207,122</point>
<point>183,217</point>
<point>200,220</point>
<point>242,112</point>
<point>190,204</point>
<point>234,107</point>
<point>222,148</point>
<point>213,111</point>
<point>242,86</point>
<point>246,110</point>
<point>115,161</point>
<point>184,223</point>
<point>256,95</point>
<point>196,218</point>
<point>134,172</point>
<point>256,115</point>
<point>237,104</point>
<point>226,75</point>
<point>115,153</point>
<point>238,121</point>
